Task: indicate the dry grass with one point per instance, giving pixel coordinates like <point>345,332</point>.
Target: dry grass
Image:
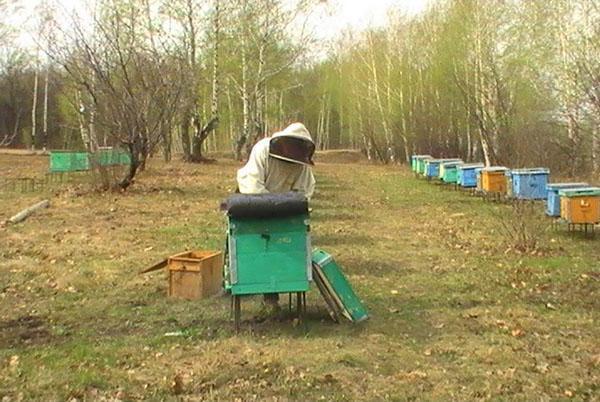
<point>454,314</point>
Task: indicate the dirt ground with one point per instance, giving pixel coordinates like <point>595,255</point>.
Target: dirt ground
<point>456,312</point>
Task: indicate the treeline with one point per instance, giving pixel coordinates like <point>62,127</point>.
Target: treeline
<point>153,76</point>
<point>506,82</point>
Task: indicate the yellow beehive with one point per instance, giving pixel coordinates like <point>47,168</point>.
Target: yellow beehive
<point>581,206</point>
<point>493,179</point>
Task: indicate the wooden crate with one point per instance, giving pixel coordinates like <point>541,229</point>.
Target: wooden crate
<point>195,274</point>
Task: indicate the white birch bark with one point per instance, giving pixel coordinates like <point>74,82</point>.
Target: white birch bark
<point>34,108</point>
<point>45,122</point>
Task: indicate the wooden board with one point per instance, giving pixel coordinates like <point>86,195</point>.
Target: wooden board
<point>332,306</point>
<point>155,267</point>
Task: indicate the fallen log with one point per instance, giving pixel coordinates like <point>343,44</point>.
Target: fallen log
<point>21,216</point>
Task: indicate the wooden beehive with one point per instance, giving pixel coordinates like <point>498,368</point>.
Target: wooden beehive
<point>581,205</point>
<point>493,180</point>
<point>195,274</point>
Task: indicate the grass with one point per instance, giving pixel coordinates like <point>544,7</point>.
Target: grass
<point>456,313</point>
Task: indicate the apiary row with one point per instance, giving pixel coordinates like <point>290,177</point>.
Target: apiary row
<point>575,203</point>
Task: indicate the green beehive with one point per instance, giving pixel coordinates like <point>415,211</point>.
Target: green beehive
<point>111,157</point>
<point>422,164</point>
<point>448,171</point>
<point>268,255</point>
<point>269,245</point>
<point>415,161</point>
<point>66,161</point>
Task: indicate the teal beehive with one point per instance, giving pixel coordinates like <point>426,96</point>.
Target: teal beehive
<point>67,161</point>
<point>432,167</point>
<point>448,171</point>
<point>415,159</point>
<point>269,247</point>
<point>422,164</point>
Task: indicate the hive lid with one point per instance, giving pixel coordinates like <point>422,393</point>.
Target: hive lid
<point>440,160</point>
<point>470,165</point>
<point>580,192</point>
<point>494,169</point>
<point>421,156</point>
<point>558,186</point>
<point>452,163</point>
<point>531,171</point>
<point>275,205</point>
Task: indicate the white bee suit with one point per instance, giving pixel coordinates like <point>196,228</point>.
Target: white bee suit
<point>264,173</point>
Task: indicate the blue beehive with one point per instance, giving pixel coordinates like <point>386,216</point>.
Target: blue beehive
<point>467,176</point>
<point>432,168</point>
<point>530,184</point>
<point>553,201</point>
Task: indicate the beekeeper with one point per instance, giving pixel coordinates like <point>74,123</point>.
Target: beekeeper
<point>280,164</point>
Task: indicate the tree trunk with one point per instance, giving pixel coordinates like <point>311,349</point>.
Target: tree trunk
<point>45,127</point>
<point>382,115</point>
<point>230,119</point>
<point>133,167</point>
<point>327,144</point>
<point>242,138</point>
<point>185,137</point>
<point>596,150</point>
<point>34,108</point>
<point>167,144</point>
<point>85,138</point>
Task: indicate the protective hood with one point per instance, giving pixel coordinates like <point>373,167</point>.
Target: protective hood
<point>293,144</point>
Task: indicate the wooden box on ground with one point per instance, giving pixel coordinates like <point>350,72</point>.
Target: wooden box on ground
<point>195,274</point>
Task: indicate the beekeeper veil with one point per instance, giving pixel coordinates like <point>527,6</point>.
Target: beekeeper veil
<point>293,144</point>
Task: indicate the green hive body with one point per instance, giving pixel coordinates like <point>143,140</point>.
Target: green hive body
<point>66,161</point>
<point>421,165</point>
<point>337,289</point>
<point>448,171</point>
<point>268,255</point>
<point>416,161</point>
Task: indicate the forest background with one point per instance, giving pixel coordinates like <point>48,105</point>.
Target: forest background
<point>504,82</point>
